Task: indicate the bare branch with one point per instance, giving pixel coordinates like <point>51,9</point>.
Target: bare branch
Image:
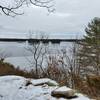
<point>13,10</point>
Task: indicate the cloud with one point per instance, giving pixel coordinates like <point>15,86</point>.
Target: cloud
<point>71,16</point>
<point>62,15</point>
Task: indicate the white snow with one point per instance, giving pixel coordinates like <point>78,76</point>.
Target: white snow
<point>14,88</point>
<point>64,88</point>
<point>44,80</point>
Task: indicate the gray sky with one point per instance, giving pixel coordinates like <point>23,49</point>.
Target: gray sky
<point>71,16</point>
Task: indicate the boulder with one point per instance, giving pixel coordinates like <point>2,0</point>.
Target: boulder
<point>63,92</point>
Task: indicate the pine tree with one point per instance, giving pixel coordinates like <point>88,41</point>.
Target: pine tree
<point>89,52</point>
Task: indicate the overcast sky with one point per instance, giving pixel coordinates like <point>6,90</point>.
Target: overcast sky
<point>71,16</point>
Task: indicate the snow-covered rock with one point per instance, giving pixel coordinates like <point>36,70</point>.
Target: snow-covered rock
<point>14,88</point>
<point>64,92</point>
<point>43,81</point>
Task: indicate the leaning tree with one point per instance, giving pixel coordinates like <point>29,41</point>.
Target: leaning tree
<point>12,7</point>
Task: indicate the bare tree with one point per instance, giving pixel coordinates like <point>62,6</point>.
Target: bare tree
<point>63,66</point>
<point>38,50</point>
<point>11,7</point>
<point>69,64</point>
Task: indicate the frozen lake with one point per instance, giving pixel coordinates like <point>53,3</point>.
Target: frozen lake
<point>16,53</point>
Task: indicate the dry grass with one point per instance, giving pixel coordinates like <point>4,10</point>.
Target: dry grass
<point>8,69</point>
<point>89,86</point>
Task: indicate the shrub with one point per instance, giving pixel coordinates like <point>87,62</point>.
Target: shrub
<point>9,69</point>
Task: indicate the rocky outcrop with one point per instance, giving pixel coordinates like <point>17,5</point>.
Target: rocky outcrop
<point>24,89</point>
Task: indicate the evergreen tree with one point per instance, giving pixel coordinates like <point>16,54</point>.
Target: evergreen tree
<point>89,52</point>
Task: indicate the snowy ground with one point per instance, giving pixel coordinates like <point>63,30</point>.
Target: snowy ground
<point>14,88</point>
